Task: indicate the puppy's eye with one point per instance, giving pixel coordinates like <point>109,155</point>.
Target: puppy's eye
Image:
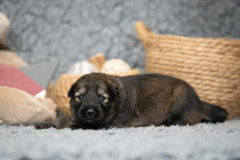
<point>102,98</point>
<point>80,97</point>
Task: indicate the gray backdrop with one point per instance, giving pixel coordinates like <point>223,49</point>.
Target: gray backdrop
<point>74,30</point>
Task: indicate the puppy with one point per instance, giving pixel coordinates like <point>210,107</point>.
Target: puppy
<point>103,101</point>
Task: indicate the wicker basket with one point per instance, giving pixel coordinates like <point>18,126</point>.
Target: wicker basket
<point>210,65</point>
<point>64,83</point>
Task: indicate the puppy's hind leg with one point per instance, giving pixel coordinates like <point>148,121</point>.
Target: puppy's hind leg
<point>186,108</point>
<point>175,119</point>
<point>213,113</point>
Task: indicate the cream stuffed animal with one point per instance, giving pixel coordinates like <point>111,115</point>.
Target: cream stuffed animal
<point>19,107</point>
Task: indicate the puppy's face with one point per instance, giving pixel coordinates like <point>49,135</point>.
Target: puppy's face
<point>93,99</point>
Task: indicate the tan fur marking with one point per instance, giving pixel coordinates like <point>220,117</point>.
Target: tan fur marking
<point>78,93</point>
<point>81,91</point>
<point>101,91</point>
<point>104,94</point>
<point>106,100</point>
<point>77,100</point>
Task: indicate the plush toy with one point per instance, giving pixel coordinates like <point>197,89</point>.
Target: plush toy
<point>115,66</point>
<point>19,107</point>
<point>83,67</point>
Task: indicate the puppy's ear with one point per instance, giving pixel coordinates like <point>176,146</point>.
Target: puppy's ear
<point>115,91</point>
<point>70,92</point>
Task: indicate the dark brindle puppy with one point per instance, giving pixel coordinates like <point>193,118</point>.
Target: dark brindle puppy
<point>103,101</point>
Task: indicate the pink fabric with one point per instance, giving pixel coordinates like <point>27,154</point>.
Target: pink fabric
<point>13,77</point>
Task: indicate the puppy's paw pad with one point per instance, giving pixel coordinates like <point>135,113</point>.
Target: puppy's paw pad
<point>42,126</point>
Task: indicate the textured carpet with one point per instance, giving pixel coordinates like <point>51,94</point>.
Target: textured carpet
<point>199,142</point>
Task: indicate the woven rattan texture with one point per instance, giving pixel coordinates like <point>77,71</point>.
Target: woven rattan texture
<point>210,65</point>
<point>64,83</point>
<point>61,89</point>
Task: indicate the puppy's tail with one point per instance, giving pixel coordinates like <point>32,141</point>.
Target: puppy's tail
<point>213,113</point>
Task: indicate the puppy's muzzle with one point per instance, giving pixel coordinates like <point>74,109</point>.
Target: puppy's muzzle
<point>90,113</point>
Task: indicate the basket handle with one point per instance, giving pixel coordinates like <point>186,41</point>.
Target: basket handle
<point>142,31</point>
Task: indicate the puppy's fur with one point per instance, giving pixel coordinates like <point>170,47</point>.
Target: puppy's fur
<point>102,101</point>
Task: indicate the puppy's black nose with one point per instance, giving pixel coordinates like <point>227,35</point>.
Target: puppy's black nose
<point>90,113</point>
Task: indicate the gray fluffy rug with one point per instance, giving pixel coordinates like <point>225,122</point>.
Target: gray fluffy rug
<point>201,142</point>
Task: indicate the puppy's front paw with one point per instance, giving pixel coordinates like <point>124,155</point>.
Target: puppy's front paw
<point>74,127</point>
<point>42,125</point>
